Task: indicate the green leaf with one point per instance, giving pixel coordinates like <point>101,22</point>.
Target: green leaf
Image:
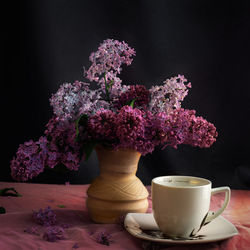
<point>61,206</point>
<point>88,148</point>
<point>110,84</point>
<point>5,192</point>
<point>2,210</point>
<point>81,121</point>
<point>107,86</point>
<point>132,103</point>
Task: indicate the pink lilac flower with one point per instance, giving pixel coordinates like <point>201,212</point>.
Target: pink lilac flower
<point>54,233</point>
<point>109,57</point>
<point>106,65</point>
<point>169,96</point>
<point>46,217</point>
<point>29,161</point>
<point>137,93</point>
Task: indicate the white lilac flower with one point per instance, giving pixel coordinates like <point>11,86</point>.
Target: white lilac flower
<point>72,100</point>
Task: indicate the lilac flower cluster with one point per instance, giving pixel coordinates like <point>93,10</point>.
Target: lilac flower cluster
<point>73,100</point>
<point>106,65</point>
<point>183,127</point>
<point>47,218</point>
<point>29,161</point>
<point>109,57</point>
<point>44,217</point>
<point>167,97</point>
<point>102,127</point>
<point>115,115</point>
<point>54,233</point>
<point>57,146</point>
<point>62,146</point>
<point>138,94</point>
<point>143,131</point>
<point>129,127</point>
<point>103,238</point>
<point>124,129</point>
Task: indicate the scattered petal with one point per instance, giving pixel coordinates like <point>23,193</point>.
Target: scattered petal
<point>54,233</point>
<point>46,217</point>
<point>32,230</point>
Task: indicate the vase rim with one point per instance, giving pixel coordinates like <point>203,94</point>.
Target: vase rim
<point>101,147</point>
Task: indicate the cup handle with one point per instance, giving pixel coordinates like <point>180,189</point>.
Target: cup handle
<point>213,215</point>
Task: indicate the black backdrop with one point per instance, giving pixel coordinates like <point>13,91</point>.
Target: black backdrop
<point>47,43</point>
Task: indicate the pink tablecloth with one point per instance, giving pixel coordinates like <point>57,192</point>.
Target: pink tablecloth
<point>35,196</point>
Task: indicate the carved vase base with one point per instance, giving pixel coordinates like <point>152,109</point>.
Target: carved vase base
<point>102,211</point>
<point>117,190</point>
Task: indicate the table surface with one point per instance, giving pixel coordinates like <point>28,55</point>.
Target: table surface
<point>82,230</point>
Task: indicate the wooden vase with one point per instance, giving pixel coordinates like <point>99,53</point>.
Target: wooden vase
<point>117,190</point>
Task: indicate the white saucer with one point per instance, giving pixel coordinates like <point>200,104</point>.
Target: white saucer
<point>143,226</point>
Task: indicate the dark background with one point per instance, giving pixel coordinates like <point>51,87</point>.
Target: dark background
<point>47,43</point>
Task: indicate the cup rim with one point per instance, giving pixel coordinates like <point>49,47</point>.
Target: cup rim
<point>206,181</point>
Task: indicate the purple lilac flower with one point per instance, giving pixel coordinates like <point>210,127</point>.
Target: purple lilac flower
<point>138,93</point>
<point>72,100</point>
<point>62,145</point>
<point>103,238</point>
<point>129,126</point>
<point>58,146</point>
<point>183,127</point>
<point>30,160</point>
<point>102,126</point>
<point>156,128</point>
<point>201,133</point>
<point>109,57</point>
<point>54,233</point>
<point>168,97</point>
<point>46,217</point>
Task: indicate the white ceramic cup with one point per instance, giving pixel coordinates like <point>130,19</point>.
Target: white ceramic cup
<point>181,204</point>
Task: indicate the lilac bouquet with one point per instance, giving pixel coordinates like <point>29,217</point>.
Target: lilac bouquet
<point>113,115</point>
